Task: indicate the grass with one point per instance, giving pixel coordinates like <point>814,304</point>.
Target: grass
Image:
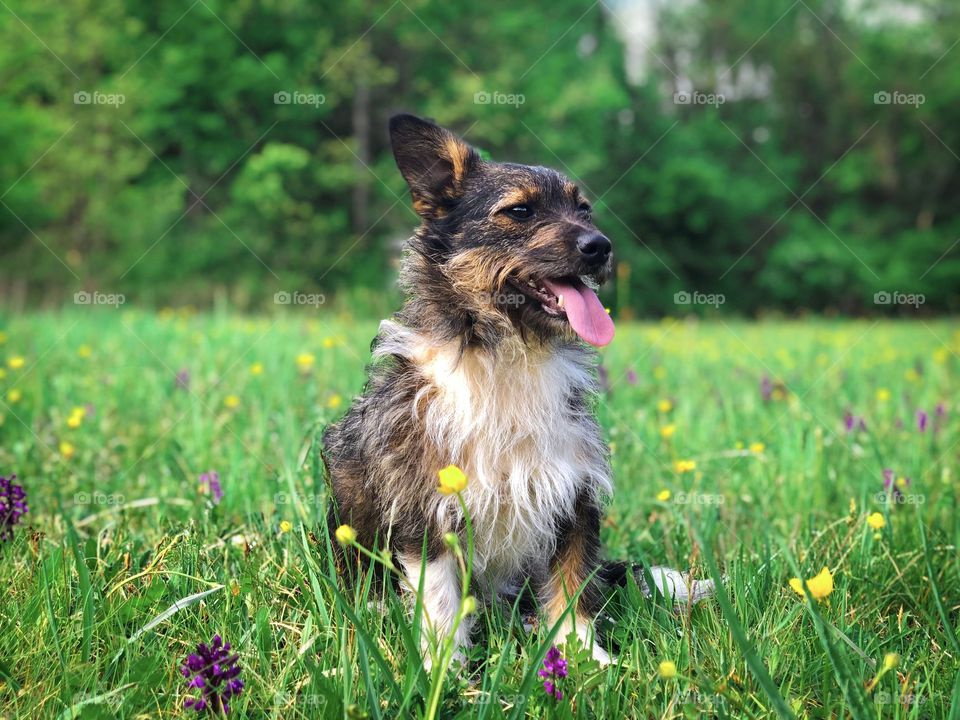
<point>122,566</point>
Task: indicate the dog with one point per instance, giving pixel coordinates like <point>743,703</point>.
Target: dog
<point>489,366</point>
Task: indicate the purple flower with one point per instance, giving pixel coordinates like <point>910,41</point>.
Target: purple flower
<point>631,376</point>
<point>941,410</point>
<point>213,671</point>
<point>182,380</point>
<point>922,419</point>
<point>766,389</point>
<point>210,484</point>
<point>554,669</point>
<point>891,484</point>
<point>13,506</point>
<point>852,422</point>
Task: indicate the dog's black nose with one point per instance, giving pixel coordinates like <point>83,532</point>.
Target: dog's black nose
<point>594,247</point>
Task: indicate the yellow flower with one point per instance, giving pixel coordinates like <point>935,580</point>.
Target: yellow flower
<point>305,361</point>
<point>876,521</point>
<point>663,495</point>
<point>890,661</point>
<point>452,480</point>
<point>334,401</point>
<point>66,450</point>
<point>16,362</point>
<point>14,396</point>
<point>84,351</point>
<point>74,421</point>
<point>346,535</point>
<point>820,586</point>
<point>667,670</point>
<point>757,448</point>
<point>328,342</point>
<point>256,368</point>
<point>286,526</point>
<point>682,466</point>
<point>883,395</point>
<point>231,402</point>
<point>664,406</point>
<point>667,431</point>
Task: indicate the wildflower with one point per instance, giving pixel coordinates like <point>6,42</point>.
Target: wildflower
<point>16,362</point>
<point>665,406</point>
<point>820,585</point>
<point>853,422</point>
<point>883,395</point>
<point>231,402</point>
<point>631,377</point>
<point>334,401</point>
<point>346,535</point>
<point>305,362</point>
<point>66,450</point>
<point>286,526</point>
<point>214,672</point>
<point>682,466</point>
<point>667,431</point>
<point>329,342</point>
<point>76,417</point>
<point>663,495</point>
<point>893,484</point>
<point>210,485</point>
<point>14,396</point>
<point>876,521</point>
<point>667,670</point>
<point>890,661</point>
<point>13,506</point>
<point>922,419</point>
<point>554,669</point>
<point>182,379</point>
<point>452,480</point>
<point>84,351</point>
<point>766,388</point>
<point>256,369</point>
<point>757,447</point>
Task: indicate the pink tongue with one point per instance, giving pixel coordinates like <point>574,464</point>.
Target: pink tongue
<point>584,311</point>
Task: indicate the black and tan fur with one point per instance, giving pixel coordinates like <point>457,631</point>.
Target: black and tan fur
<point>473,371</point>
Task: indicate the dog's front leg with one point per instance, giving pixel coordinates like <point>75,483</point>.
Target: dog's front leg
<point>574,560</point>
<point>440,600</point>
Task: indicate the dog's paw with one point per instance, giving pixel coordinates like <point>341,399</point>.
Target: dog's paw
<point>679,587</point>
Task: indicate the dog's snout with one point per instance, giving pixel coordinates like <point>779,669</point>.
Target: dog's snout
<point>594,247</point>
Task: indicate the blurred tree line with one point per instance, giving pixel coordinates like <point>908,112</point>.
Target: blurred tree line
<point>786,154</point>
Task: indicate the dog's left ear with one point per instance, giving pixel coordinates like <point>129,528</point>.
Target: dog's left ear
<point>433,161</point>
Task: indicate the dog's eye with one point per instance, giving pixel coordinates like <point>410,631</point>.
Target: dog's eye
<point>584,210</point>
<point>520,212</point>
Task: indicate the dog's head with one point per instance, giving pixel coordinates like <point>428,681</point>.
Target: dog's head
<point>502,247</point>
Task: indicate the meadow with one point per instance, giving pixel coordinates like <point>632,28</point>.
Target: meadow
<point>751,452</point>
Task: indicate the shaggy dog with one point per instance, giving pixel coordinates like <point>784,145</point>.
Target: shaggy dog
<point>488,366</point>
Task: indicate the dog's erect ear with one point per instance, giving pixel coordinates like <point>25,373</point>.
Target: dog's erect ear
<point>433,161</point>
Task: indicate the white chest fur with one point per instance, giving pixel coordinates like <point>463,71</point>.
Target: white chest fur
<point>507,421</point>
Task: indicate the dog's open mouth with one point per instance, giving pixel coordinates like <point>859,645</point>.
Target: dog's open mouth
<point>572,299</point>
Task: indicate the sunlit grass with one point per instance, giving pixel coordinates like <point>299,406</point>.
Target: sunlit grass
<point>109,419</point>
